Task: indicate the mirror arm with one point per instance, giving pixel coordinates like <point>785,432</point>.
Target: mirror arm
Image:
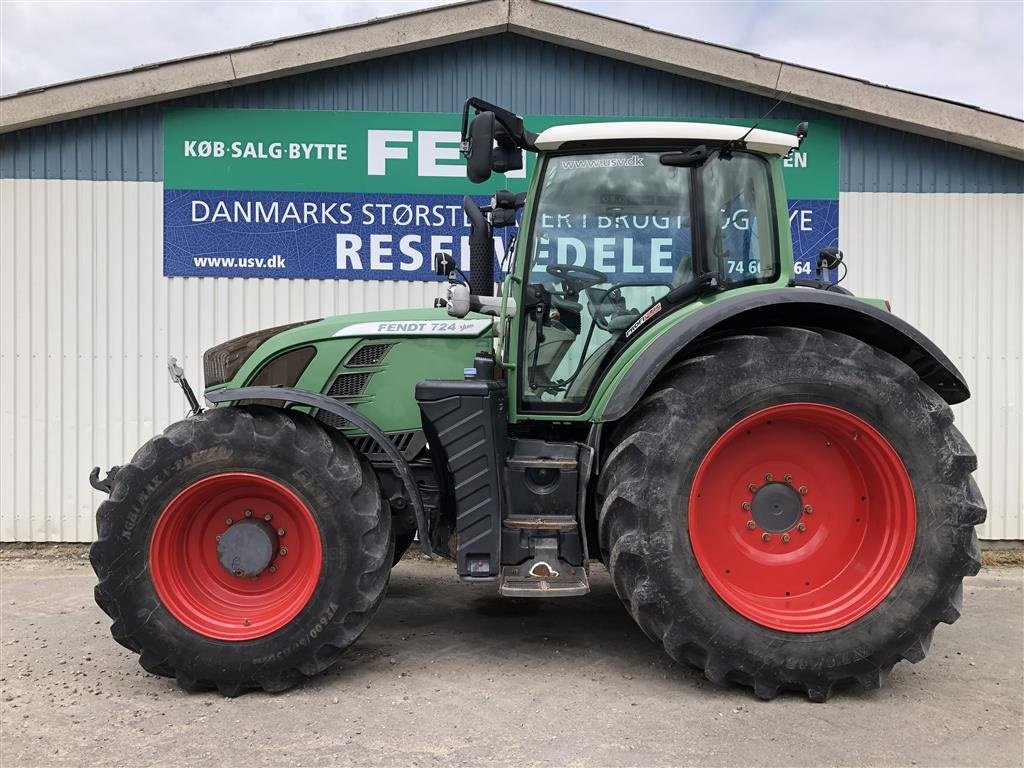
<point>460,302</point>
<point>510,121</point>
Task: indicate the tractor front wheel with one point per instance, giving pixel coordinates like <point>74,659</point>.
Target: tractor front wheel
<point>243,548</point>
<point>790,509</point>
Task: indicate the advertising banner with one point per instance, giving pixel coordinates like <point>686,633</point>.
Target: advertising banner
<point>372,195</point>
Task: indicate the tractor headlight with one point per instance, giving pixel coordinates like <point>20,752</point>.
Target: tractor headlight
<point>284,370</point>
<point>222,362</point>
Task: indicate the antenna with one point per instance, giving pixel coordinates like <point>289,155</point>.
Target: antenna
<point>727,148</point>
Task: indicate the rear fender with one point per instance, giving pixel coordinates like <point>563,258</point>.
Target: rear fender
<point>789,307</point>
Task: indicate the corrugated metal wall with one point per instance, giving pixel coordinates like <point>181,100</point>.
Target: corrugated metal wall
<point>953,266</point>
<point>87,321</point>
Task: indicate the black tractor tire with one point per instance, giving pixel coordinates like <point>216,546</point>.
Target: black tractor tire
<point>644,498</point>
<point>346,522</point>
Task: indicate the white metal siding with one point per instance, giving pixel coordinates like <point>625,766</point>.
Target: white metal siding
<point>87,322</point>
<point>953,266</point>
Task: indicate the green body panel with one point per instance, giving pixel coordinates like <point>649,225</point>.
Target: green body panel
<point>389,398</point>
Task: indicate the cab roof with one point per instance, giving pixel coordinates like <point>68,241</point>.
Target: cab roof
<point>759,140</point>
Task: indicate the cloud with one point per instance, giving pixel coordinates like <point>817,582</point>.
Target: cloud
<point>42,43</point>
<point>969,52</point>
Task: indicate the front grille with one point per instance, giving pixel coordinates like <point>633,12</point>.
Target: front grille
<point>368,354</point>
<point>409,444</point>
<point>349,384</point>
<point>332,420</point>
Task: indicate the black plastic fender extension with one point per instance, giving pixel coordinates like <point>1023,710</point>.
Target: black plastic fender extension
<point>799,307</point>
<point>289,396</point>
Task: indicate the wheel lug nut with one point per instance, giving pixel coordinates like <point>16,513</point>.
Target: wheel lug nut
<point>769,476</point>
<point>248,513</point>
<point>766,537</point>
<point>802,527</point>
<point>282,551</point>
<point>246,622</point>
<point>238,572</point>
<point>785,538</point>
<point>229,521</point>
<point>272,569</point>
<point>745,506</point>
<point>803,490</point>
<point>808,509</point>
<point>218,537</point>
<point>751,524</point>
<point>751,487</point>
<point>788,478</point>
<point>267,517</point>
<point>280,531</point>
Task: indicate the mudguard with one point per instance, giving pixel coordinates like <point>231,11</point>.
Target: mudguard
<point>800,307</point>
<point>290,396</point>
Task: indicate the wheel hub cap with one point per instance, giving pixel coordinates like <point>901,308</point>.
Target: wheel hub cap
<point>802,517</point>
<point>246,548</point>
<point>235,556</point>
<point>776,507</point>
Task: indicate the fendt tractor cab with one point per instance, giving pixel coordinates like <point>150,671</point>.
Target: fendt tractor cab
<point>767,466</point>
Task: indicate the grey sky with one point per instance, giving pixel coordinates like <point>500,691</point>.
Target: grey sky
<point>970,52</point>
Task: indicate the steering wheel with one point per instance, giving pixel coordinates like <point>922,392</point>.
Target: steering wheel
<point>576,279</point>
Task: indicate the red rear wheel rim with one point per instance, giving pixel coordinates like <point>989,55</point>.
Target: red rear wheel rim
<point>831,558</point>
<point>200,592</point>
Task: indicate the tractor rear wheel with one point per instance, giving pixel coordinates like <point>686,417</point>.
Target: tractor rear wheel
<point>243,548</point>
<point>790,509</point>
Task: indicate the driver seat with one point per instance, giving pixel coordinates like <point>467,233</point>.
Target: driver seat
<point>602,303</point>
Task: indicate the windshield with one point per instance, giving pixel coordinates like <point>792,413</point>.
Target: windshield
<point>619,238</point>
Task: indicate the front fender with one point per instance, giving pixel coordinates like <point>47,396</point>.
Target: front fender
<point>800,307</point>
<point>289,396</point>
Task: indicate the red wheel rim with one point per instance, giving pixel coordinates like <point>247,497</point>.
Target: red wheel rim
<point>200,592</point>
<point>838,553</point>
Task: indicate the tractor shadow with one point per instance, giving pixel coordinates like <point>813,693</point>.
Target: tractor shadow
<point>429,618</point>
<point>431,621</point>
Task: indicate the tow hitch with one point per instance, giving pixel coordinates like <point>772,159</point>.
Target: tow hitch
<point>104,484</point>
<point>178,377</point>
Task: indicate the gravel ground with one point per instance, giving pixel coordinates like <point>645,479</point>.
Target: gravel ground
<point>449,674</point>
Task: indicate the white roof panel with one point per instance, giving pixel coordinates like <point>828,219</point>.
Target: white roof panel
<point>759,140</point>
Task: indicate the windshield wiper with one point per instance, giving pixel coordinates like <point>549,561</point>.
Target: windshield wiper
<point>690,158</point>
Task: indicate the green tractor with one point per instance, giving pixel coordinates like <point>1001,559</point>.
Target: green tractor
<point>766,465</point>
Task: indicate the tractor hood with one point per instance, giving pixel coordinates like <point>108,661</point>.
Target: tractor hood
<point>234,362</point>
<point>371,361</point>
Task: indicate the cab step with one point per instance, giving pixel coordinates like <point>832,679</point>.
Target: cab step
<point>534,523</point>
<point>544,575</point>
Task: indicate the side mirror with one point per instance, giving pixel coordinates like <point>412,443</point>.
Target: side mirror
<point>490,147</point>
<point>480,153</point>
<point>801,133</point>
<point>829,258</point>
<point>507,156</point>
